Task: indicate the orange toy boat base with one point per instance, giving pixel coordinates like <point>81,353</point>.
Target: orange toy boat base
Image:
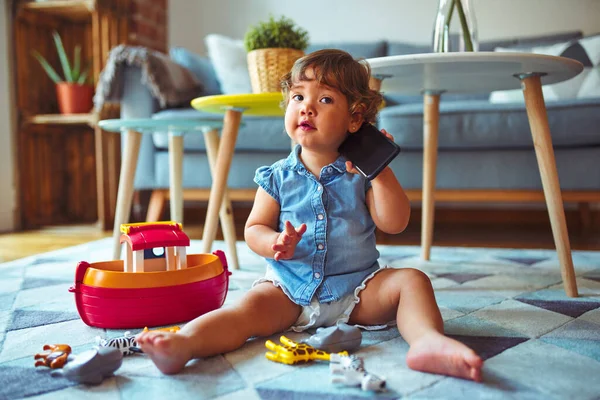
<point>147,289</point>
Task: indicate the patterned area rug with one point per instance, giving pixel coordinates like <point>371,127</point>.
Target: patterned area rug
<point>509,305</point>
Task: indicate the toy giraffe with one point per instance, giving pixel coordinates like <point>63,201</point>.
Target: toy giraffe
<point>291,352</point>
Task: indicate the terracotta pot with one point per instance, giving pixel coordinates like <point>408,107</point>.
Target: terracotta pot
<point>74,98</point>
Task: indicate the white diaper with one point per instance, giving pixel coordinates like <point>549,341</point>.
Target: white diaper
<point>318,314</point>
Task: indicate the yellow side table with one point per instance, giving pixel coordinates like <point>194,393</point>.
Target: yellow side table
<point>232,107</point>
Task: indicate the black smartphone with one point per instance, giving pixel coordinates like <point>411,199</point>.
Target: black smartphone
<point>369,150</point>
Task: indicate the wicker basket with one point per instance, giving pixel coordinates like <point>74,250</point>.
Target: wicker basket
<point>267,66</point>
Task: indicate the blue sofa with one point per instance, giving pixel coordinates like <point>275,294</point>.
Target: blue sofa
<point>484,147</point>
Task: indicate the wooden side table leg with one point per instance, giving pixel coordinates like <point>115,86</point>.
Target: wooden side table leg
<point>542,142</point>
<point>156,205</point>
<point>99,153</point>
<point>431,116</point>
<point>211,137</point>
<point>231,124</point>
<point>125,192</point>
<point>176,176</point>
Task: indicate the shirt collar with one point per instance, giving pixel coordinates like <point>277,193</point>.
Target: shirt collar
<point>295,164</point>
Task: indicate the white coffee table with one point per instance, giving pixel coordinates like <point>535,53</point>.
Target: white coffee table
<point>436,73</point>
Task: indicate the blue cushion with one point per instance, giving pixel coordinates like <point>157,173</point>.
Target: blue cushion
<point>459,169</point>
<point>482,125</point>
<point>402,48</point>
<point>530,41</point>
<point>356,49</point>
<point>200,66</point>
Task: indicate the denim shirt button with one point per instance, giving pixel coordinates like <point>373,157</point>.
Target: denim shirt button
<point>319,188</point>
<point>317,275</point>
<point>329,169</point>
<point>320,246</point>
<point>320,217</point>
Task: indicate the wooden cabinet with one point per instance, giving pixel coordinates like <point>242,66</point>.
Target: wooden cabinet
<point>67,167</point>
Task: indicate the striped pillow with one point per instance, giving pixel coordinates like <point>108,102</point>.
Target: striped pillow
<point>585,85</point>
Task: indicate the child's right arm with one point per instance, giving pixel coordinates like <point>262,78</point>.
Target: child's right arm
<point>261,229</point>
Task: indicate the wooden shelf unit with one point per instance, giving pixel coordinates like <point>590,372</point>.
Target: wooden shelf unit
<point>68,167</point>
<point>61,158</point>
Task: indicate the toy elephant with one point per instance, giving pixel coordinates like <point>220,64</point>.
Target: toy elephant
<point>336,338</point>
<point>92,366</point>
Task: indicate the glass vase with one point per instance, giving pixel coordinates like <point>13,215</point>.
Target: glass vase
<point>458,15</point>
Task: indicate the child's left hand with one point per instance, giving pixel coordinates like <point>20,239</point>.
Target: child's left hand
<point>350,167</point>
<point>287,241</point>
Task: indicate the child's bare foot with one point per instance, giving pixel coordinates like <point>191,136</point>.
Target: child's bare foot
<point>440,354</point>
<point>169,351</point>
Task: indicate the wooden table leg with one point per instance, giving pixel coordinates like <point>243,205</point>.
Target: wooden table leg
<point>542,142</point>
<point>99,154</point>
<point>176,176</point>
<point>431,116</point>
<point>231,124</point>
<point>211,138</point>
<point>125,192</point>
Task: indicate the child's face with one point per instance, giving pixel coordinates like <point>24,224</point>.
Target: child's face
<point>317,116</point>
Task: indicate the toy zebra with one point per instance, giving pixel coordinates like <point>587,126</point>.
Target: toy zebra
<point>350,371</point>
<point>126,343</point>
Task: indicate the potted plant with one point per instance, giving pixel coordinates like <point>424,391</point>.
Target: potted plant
<point>273,47</point>
<point>73,93</point>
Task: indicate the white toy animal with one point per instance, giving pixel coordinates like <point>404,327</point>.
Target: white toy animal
<point>126,344</point>
<point>350,371</point>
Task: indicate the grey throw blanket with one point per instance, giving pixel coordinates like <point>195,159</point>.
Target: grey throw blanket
<point>166,80</point>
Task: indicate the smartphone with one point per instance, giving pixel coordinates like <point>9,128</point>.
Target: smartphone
<point>369,150</point>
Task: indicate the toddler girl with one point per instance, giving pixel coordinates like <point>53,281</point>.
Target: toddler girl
<point>314,219</point>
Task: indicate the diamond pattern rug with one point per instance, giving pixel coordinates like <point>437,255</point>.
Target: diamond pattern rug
<point>508,305</point>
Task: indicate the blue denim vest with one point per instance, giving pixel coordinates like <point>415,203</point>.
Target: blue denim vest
<point>337,251</point>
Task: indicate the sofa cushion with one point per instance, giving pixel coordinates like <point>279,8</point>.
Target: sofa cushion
<point>460,169</point>
<point>530,41</point>
<point>356,49</point>
<point>483,125</point>
<point>586,84</point>
<point>228,57</point>
<point>257,133</point>
<point>200,66</point>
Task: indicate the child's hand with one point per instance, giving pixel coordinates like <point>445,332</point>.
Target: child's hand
<point>287,240</point>
<point>350,167</point>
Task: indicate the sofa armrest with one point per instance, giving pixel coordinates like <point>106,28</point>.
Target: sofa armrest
<point>138,102</point>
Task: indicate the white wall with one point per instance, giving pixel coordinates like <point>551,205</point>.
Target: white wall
<point>7,152</point>
<point>406,20</point>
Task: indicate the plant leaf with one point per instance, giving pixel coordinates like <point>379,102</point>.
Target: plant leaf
<point>76,63</point>
<point>82,78</point>
<point>64,60</point>
<point>281,33</point>
<point>47,67</point>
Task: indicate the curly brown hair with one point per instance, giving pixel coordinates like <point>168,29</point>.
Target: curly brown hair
<point>339,70</point>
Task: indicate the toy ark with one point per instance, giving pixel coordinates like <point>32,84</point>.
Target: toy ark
<point>156,284</point>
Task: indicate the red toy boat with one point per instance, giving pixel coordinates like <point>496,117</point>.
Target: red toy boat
<point>147,289</point>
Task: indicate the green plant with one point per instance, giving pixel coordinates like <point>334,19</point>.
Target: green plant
<point>72,75</point>
<point>282,33</point>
